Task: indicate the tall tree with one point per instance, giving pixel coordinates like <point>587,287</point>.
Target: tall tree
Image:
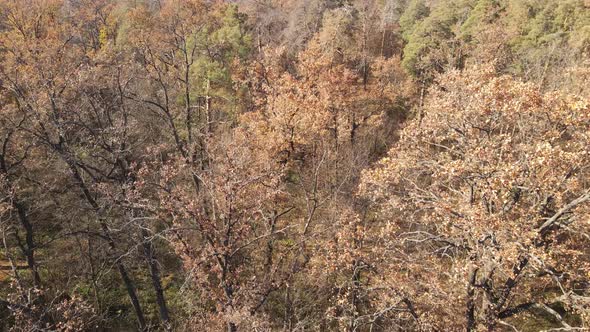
<point>491,187</point>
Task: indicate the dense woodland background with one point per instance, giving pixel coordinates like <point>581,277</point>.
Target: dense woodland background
<point>294,165</point>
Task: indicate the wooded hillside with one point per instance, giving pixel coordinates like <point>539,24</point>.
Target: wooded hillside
<point>294,165</point>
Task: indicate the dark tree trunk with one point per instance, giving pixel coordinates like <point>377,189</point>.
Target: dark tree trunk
<point>131,291</point>
<point>132,296</point>
<point>29,247</point>
<point>150,257</point>
<point>470,312</point>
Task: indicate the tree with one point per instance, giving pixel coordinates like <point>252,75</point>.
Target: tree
<point>324,123</point>
<point>548,34</point>
<point>44,81</point>
<point>433,43</point>
<point>491,188</point>
<point>223,165</point>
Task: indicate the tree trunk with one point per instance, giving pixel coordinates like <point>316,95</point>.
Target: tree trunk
<point>149,253</point>
<point>132,295</point>
<point>29,248</point>
<point>131,291</point>
<point>470,312</point>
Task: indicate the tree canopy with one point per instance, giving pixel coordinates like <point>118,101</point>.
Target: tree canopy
<point>278,165</point>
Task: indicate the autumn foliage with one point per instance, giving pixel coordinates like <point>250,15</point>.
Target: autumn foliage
<point>277,165</point>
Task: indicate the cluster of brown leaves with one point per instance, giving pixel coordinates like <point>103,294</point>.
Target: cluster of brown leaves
<point>487,192</point>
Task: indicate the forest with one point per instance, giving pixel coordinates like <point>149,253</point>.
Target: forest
<point>294,165</point>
